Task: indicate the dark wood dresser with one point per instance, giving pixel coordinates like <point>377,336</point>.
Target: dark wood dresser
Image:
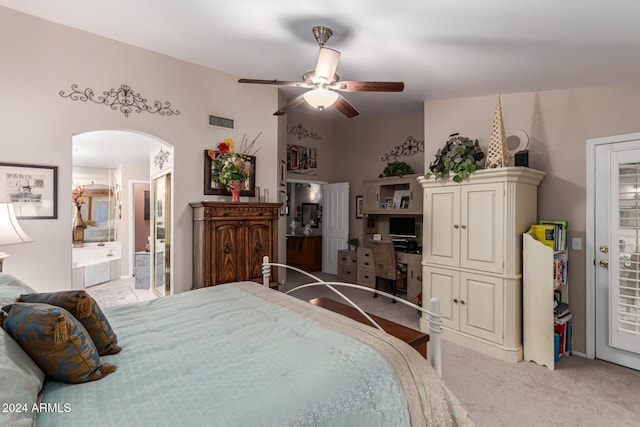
<point>230,239</point>
<point>305,252</point>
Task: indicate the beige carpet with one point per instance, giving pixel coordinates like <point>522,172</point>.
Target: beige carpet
<point>580,392</point>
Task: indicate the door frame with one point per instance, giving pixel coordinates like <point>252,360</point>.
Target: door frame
<point>590,245</point>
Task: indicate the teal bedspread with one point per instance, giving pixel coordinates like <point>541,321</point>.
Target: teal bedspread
<point>235,355</point>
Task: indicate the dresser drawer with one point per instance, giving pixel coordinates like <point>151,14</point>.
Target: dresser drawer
<point>366,277</point>
<point>365,258</point>
<point>348,258</point>
<point>347,273</point>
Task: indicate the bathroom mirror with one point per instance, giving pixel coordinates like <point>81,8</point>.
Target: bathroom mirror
<point>310,214</point>
<point>99,213</point>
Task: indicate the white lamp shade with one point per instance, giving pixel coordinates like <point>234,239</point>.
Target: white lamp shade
<point>10,231</point>
<point>320,98</point>
<point>327,64</point>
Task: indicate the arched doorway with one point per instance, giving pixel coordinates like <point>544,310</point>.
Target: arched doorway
<point>128,156</point>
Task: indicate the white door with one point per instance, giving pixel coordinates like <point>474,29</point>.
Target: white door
<point>616,251</point>
<point>335,224</point>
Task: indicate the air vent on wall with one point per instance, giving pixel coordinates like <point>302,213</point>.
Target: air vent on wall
<point>222,122</point>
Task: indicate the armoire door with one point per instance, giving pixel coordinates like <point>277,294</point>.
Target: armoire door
<point>442,226</point>
<point>482,227</point>
<point>228,252</point>
<point>258,244</point>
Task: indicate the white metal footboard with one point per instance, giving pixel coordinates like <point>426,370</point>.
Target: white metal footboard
<point>435,318</point>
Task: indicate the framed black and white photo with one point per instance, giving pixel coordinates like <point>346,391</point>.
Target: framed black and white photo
<point>359,206</point>
<point>33,190</point>
<point>283,203</point>
<point>283,173</point>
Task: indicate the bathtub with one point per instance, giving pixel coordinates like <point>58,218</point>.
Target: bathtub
<point>93,264</point>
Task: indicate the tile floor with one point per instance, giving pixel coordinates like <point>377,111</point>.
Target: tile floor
<point>117,292</point>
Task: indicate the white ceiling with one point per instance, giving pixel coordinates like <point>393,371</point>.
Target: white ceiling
<point>439,48</point>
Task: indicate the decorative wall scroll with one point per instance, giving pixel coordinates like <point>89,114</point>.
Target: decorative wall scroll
<point>409,147</point>
<point>123,98</point>
<point>302,160</point>
<point>161,158</point>
<point>301,132</point>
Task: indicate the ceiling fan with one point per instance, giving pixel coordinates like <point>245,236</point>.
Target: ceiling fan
<point>324,82</point>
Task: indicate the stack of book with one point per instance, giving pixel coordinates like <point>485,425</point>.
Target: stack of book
<point>554,235</point>
<point>562,327</point>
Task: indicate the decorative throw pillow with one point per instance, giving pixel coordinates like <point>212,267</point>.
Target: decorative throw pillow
<point>21,381</point>
<point>84,308</point>
<point>56,341</point>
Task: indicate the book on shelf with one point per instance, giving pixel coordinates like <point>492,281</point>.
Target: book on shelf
<point>561,240</point>
<point>544,234</point>
<point>560,269</point>
<point>560,309</point>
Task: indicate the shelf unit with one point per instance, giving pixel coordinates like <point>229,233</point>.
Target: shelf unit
<point>539,286</point>
<point>378,192</point>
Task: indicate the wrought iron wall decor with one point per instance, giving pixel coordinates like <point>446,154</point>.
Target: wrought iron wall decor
<point>161,158</point>
<point>409,147</point>
<point>123,98</point>
<point>301,132</point>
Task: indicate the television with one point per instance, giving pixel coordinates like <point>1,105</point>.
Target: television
<point>402,226</point>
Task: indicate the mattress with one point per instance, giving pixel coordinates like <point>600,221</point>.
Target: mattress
<point>244,355</point>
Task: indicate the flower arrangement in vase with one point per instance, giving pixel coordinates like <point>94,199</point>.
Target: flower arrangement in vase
<point>78,224</point>
<point>232,168</point>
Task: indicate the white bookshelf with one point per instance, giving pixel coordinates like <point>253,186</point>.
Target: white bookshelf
<point>537,301</point>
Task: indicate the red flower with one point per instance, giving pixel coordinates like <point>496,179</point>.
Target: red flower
<point>223,148</point>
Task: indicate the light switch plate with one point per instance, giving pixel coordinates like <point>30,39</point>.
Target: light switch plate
<point>576,243</point>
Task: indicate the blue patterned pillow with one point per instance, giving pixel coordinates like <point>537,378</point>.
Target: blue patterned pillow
<point>84,308</point>
<point>56,341</point>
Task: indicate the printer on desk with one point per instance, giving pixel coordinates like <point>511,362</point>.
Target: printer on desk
<point>405,245</point>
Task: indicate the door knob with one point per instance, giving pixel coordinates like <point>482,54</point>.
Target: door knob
<point>604,249</point>
<point>604,263</point>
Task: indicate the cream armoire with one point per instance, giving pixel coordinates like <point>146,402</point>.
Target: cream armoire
<point>472,255</point>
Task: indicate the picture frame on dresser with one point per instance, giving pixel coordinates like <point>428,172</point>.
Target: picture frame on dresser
<point>33,190</point>
<point>359,206</point>
<point>217,189</point>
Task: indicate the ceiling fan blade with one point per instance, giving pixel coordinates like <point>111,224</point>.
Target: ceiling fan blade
<point>356,86</point>
<point>290,105</point>
<point>274,82</point>
<point>345,107</point>
<point>327,63</point>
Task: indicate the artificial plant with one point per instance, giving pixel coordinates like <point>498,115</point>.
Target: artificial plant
<point>459,158</point>
<point>396,169</point>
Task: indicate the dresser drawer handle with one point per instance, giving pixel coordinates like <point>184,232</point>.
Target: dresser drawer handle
<point>227,248</point>
<point>260,213</point>
<point>225,213</point>
<point>258,246</point>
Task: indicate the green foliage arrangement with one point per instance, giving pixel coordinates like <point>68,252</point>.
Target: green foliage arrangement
<point>459,158</point>
<point>353,241</point>
<point>396,169</point>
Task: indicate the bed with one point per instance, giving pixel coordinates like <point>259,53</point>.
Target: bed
<point>242,354</point>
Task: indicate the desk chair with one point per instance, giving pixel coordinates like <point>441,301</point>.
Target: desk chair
<point>385,264</point>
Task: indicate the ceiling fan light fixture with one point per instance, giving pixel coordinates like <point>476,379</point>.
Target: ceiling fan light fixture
<point>320,98</point>
<point>327,64</point>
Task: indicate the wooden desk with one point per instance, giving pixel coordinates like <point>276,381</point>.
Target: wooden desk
<point>414,338</point>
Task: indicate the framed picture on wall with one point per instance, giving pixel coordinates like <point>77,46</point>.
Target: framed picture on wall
<point>214,188</point>
<point>33,190</point>
<point>283,203</point>
<point>283,173</point>
<point>359,206</point>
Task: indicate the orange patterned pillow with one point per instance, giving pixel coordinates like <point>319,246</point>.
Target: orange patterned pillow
<point>84,308</point>
<point>56,341</point>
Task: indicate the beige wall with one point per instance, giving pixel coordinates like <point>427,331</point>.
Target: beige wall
<point>558,124</point>
<point>360,144</point>
<point>40,59</point>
